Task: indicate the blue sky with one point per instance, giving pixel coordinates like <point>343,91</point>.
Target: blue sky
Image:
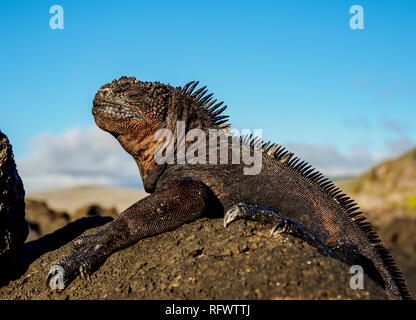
<point>292,68</point>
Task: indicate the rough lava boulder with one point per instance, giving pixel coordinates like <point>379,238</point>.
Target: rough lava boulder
<point>201,260</point>
<point>13,226</point>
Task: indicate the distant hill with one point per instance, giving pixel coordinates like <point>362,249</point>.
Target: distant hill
<point>391,184</point>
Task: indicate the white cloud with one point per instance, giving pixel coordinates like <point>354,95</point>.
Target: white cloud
<point>77,157</point>
<point>332,163</point>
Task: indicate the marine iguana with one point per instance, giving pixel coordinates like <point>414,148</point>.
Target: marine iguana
<point>287,192</point>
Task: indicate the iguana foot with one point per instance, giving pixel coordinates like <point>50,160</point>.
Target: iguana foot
<point>57,277</point>
<point>251,211</point>
<point>91,250</point>
<point>282,224</point>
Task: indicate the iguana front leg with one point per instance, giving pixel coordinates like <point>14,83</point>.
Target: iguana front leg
<point>282,224</point>
<point>180,202</point>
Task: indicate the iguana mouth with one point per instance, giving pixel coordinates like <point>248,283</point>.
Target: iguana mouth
<point>112,110</point>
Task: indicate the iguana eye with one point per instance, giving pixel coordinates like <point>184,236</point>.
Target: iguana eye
<point>134,95</point>
<point>105,91</point>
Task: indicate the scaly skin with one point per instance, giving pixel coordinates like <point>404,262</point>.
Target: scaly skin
<point>287,192</point>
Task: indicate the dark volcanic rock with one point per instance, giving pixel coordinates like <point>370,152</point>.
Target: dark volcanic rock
<point>43,220</point>
<point>13,226</point>
<point>400,238</point>
<point>202,260</point>
<point>93,210</point>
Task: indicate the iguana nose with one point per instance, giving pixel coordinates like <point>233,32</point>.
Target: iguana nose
<point>102,94</point>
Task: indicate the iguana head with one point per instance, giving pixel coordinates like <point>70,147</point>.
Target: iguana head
<point>133,111</point>
<point>128,106</point>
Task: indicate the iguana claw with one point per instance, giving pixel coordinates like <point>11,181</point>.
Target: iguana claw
<point>289,227</point>
<point>56,277</point>
<point>282,224</point>
<point>234,213</point>
<point>84,271</point>
<point>278,228</point>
